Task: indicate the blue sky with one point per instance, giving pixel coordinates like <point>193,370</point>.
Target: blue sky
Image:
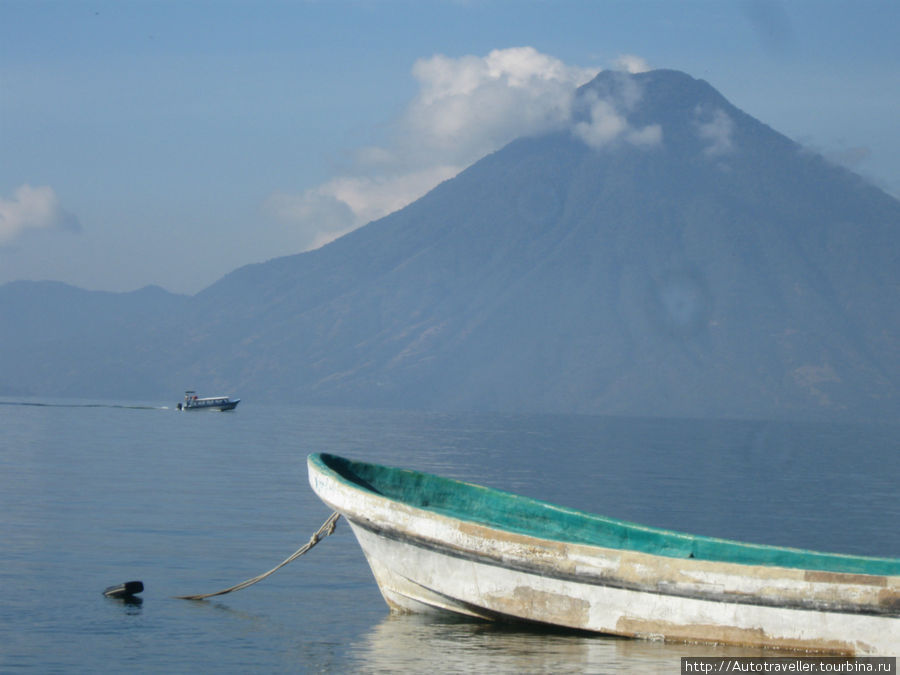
<point>170,142</point>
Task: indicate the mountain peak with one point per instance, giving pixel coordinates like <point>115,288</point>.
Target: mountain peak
<point>661,78</point>
<point>659,109</point>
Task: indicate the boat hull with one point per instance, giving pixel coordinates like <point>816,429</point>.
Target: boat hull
<point>215,407</point>
<point>426,561</point>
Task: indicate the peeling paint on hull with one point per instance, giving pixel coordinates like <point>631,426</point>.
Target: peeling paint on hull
<point>426,561</point>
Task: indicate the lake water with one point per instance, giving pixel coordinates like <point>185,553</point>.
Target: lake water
<point>93,494</point>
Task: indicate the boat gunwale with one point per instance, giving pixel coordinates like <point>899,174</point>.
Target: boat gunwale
<point>679,545</point>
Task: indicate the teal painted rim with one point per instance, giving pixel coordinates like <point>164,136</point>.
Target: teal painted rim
<point>514,513</point>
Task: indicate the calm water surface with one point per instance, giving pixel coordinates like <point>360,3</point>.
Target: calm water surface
<point>96,493</point>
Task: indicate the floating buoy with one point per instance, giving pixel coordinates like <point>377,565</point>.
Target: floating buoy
<point>126,590</point>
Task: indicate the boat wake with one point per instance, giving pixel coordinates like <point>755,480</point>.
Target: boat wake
<point>35,404</point>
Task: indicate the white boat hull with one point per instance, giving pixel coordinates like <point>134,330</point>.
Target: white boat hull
<point>423,561</point>
<point>217,407</point>
<point>414,579</point>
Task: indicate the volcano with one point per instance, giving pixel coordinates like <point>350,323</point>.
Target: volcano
<point>664,254</point>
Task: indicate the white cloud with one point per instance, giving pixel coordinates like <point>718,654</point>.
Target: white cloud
<point>317,215</point>
<point>32,208</point>
<point>716,130</point>
<point>326,212</point>
<point>465,108</point>
<point>649,135</point>
<point>608,121</point>
<point>605,125</point>
<point>470,106</point>
<point>632,64</point>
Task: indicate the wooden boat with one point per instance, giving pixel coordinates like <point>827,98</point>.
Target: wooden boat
<point>218,403</point>
<point>439,544</point>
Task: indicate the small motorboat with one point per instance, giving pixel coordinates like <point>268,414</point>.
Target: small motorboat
<point>219,403</point>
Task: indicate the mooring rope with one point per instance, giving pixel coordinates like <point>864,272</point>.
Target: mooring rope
<point>326,529</point>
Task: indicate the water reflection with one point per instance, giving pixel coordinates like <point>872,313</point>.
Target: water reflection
<point>442,643</point>
<point>131,605</point>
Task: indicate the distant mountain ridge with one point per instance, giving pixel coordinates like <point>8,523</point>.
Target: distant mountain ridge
<point>667,254</point>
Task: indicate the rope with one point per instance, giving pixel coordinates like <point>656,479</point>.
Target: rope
<point>326,529</point>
